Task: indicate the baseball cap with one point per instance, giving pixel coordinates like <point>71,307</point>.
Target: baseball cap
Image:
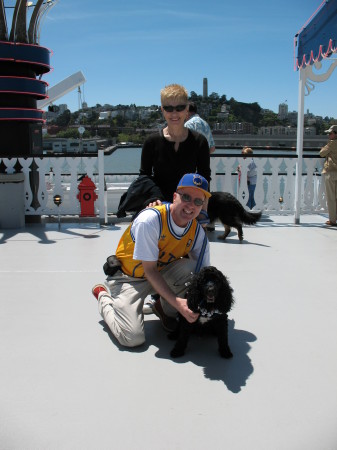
<point>332,129</point>
<point>196,181</point>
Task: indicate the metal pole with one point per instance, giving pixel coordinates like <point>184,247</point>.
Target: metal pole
<point>299,144</point>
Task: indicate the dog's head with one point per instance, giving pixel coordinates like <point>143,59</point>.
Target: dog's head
<point>210,290</point>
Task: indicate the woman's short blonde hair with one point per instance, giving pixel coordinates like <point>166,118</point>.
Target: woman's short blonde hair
<point>247,151</point>
<point>174,92</point>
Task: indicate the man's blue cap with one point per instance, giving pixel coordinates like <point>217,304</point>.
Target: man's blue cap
<point>194,180</point>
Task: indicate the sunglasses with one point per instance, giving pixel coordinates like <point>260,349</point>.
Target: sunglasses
<point>187,199</point>
<point>177,108</point>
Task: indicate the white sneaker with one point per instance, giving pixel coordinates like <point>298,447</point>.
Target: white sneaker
<point>148,305</point>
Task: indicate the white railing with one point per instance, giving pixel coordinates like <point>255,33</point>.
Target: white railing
<point>275,188</point>
<point>49,176</point>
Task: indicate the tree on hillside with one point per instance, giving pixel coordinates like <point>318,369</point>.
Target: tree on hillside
<point>194,97</point>
<point>70,133</point>
<point>246,112</point>
<point>93,117</point>
<point>269,119</point>
<point>63,119</point>
<point>74,117</point>
<point>120,121</point>
<point>214,97</point>
<point>134,138</point>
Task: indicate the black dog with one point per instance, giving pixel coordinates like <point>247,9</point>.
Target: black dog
<point>210,295</point>
<point>228,209</point>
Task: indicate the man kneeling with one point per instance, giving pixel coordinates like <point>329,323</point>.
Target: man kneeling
<point>152,253</point>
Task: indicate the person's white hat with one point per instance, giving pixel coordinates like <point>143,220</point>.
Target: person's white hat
<point>332,129</point>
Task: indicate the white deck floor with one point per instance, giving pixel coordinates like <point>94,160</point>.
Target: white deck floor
<point>65,384</point>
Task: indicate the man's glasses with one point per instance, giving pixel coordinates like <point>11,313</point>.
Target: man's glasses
<point>187,198</point>
<point>177,108</point>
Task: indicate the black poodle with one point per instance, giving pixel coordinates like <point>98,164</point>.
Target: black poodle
<point>210,295</point>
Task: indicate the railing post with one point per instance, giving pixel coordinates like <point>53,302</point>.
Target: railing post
<point>101,188</point>
<point>315,191</point>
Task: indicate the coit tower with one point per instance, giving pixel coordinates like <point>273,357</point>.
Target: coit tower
<point>204,88</point>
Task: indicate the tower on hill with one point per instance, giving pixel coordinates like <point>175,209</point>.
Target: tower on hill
<point>205,88</point>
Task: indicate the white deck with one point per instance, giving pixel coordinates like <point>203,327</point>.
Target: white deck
<point>65,384</point>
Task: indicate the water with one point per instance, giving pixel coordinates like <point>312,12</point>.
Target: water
<point>123,160</point>
<point>127,159</point>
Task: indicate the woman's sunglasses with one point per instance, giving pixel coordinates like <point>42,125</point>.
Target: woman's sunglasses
<point>187,198</point>
<point>177,108</point>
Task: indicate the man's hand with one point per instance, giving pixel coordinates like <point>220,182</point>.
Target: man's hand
<point>161,287</point>
<point>184,310</point>
<point>152,204</point>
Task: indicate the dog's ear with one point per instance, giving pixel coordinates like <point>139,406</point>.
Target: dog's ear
<point>226,292</point>
<point>193,293</point>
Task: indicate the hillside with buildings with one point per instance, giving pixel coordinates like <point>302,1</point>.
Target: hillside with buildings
<point>232,122</point>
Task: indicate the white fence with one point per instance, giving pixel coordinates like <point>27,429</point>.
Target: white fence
<point>275,187</point>
<point>275,190</point>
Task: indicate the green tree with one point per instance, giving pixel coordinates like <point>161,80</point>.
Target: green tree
<point>214,97</point>
<point>73,117</point>
<point>246,112</point>
<point>93,117</point>
<point>120,121</point>
<point>194,97</point>
<point>63,119</point>
<point>70,133</point>
<point>269,119</point>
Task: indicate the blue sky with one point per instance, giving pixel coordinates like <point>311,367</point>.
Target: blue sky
<point>129,50</point>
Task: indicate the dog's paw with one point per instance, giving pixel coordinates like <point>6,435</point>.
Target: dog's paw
<point>177,352</point>
<point>226,353</point>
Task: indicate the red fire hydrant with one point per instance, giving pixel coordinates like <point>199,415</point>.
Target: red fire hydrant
<point>87,197</point>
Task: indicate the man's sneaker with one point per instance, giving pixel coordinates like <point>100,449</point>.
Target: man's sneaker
<point>169,323</point>
<point>97,289</point>
<point>148,305</point>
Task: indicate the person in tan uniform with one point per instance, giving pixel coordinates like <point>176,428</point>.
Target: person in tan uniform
<point>329,152</point>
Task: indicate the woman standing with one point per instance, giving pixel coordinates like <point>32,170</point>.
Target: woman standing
<point>251,177</point>
<point>174,150</point>
<point>170,154</point>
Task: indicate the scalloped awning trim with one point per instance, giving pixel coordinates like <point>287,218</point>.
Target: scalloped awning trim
<point>317,39</point>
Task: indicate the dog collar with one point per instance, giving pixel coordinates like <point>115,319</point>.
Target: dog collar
<point>205,313</point>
